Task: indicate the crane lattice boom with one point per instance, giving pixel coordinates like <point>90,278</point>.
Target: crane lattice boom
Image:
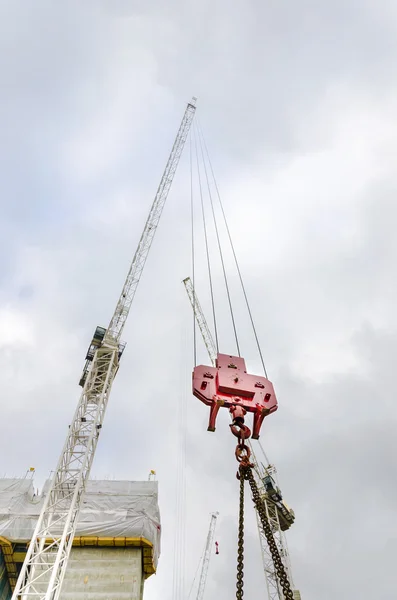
<point>206,557</point>
<point>201,320</point>
<point>120,315</point>
<point>45,564</point>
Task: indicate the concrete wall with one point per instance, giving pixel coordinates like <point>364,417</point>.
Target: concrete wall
<point>104,574</point>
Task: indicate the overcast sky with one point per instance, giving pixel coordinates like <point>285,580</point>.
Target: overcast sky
<point>298,103</point>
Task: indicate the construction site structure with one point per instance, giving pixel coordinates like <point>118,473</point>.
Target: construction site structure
<point>207,556</point>
<point>280,516</point>
<point>116,545</point>
<point>44,567</point>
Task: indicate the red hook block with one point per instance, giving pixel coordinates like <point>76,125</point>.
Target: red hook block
<point>228,384</point>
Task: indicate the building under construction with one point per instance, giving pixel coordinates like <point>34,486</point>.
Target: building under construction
<point>115,548</point>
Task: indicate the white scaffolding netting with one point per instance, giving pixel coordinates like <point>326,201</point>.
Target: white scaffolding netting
<point>109,509</point>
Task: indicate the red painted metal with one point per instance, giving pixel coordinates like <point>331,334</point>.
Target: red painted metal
<point>228,384</point>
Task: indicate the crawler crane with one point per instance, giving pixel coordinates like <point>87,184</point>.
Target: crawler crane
<point>280,516</point>
<point>46,561</point>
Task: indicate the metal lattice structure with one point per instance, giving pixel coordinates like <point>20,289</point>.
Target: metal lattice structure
<point>274,515</point>
<point>200,319</point>
<point>45,564</point>
<point>206,557</point>
<point>134,274</point>
<point>274,589</point>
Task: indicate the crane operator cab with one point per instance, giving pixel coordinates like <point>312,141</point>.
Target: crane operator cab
<point>96,343</point>
<point>286,515</point>
<point>271,488</point>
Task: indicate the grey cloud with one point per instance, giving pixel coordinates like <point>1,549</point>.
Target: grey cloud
<point>91,99</point>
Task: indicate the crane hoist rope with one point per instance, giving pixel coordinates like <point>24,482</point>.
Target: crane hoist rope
<point>208,259</point>
<point>227,384</point>
<point>219,245</point>
<point>45,564</point>
<point>206,156</point>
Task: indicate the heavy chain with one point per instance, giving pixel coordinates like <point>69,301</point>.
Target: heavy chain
<point>240,552</point>
<point>246,473</point>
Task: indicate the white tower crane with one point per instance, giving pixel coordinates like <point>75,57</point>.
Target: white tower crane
<point>279,514</point>
<point>45,564</point>
<point>201,320</point>
<point>280,517</point>
<point>206,557</point>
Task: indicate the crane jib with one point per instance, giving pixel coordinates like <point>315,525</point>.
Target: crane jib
<point>120,315</point>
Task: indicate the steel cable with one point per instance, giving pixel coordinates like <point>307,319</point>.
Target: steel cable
<point>193,254</point>
<point>234,253</point>
<point>207,248</point>
<point>220,250</point>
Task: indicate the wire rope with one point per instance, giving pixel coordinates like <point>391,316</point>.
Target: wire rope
<point>264,453</point>
<point>234,252</point>
<point>193,253</point>
<point>206,247</point>
<point>220,249</point>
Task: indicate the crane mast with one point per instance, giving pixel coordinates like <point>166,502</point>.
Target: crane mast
<point>206,557</point>
<point>45,564</point>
